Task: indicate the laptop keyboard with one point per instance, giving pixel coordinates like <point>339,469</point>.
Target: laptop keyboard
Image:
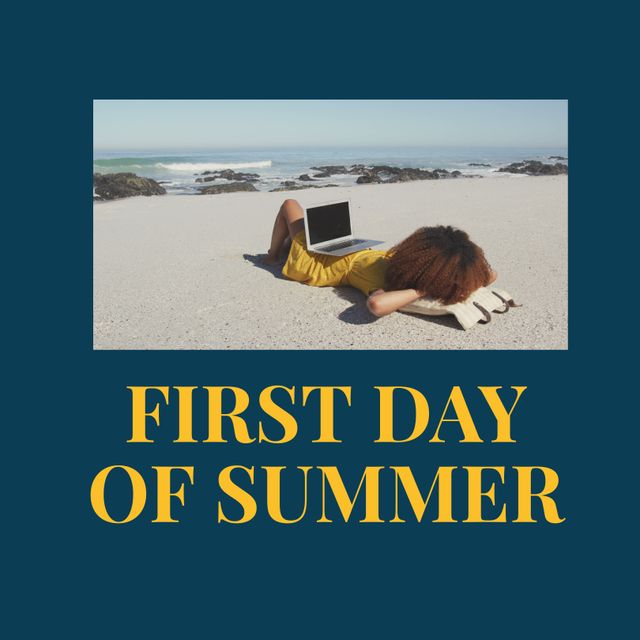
<point>341,245</point>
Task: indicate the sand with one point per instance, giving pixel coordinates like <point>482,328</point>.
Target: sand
<point>181,272</point>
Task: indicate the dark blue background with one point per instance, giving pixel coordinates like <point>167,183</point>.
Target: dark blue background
<point>67,407</point>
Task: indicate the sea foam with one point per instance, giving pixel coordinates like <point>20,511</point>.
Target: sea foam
<point>212,166</point>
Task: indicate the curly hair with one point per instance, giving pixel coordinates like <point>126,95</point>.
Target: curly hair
<point>442,262</point>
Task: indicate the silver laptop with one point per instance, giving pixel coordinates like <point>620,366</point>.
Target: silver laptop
<point>329,230</point>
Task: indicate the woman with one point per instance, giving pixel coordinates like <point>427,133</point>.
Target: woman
<point>439,262</point>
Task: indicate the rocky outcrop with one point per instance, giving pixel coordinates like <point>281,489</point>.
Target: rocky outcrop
<point>293,187</point>
<point>368,179</point>
<point>228,187</point>
<point>535,168</point>
<point>478,164</point>
<point>386,174</point>
<point>297,187</point>
<point>228,174</point>
<point>330,170</point>
<point>557,158</point>
<point>305,177</point>
<point>111,186</point>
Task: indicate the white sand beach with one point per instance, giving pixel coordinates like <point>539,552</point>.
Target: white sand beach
<point>182,272</point>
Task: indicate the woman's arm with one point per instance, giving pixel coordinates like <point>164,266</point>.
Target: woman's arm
<point>382,303</point>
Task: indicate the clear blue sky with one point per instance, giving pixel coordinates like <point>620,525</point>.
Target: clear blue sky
<point>190,124</point>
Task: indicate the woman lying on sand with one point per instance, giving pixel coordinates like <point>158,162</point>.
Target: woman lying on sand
<point>439,262</point>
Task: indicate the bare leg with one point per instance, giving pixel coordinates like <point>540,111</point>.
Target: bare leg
<point>288,222</point>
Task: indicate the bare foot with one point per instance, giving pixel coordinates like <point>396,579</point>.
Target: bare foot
<point>270,260</point>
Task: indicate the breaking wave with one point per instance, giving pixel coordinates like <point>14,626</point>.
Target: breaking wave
<point>212,166</point>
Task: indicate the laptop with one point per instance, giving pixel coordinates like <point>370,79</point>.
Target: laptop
<point>329,230</point>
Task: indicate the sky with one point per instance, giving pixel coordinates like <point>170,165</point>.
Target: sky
<point>210,124</point>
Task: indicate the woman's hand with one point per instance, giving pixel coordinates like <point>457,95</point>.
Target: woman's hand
<point>382,303</point>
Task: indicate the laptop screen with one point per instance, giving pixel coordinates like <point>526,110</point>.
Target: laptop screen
<point>328,222</point>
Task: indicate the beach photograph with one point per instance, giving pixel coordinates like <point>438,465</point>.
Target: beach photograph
<point>330,224</point>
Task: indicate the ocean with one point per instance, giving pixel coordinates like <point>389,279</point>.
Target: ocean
<point>177,170</point>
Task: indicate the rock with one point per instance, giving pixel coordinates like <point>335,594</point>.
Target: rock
<point>410,175</point>
<point>368,179</point>
<point>298,187</point>
<point>477,164</point>
<point>228,174</point>
<point>292,187</point>
<point>305,178</point>
<point>111,186</point>
<point>535,168</point>
<point>387,174</point>
<point>377,174</point>
<point>229,187</point>
<point>330,169</point>
<point>557,158</point>
<point>289,183</point>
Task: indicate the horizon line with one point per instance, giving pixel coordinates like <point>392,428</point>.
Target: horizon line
<point>332,146</point>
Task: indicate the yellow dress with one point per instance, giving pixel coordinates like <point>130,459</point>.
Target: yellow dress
<point>364,270</point>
